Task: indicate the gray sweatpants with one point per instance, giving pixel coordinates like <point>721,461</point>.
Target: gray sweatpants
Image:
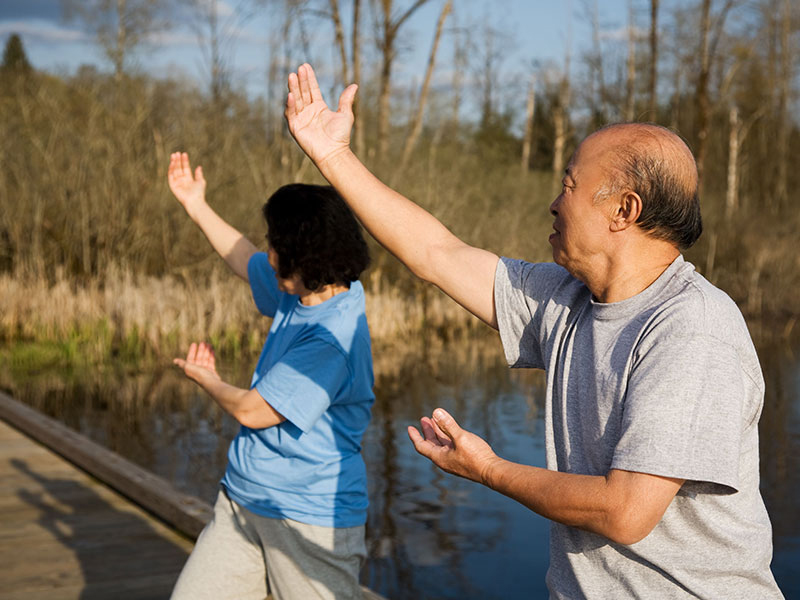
<point>241,555</point>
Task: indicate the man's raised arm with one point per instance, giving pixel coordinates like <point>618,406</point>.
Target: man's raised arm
<point>413,235</point>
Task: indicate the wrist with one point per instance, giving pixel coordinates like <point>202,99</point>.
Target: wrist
<point>195,208</point>
<point>335,158</point>
<point>489,471</point>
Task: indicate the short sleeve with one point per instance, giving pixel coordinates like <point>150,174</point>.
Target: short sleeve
<point>522,293</point>
<point>263,284</point>
<point>682,415</point>
<point>305,381</point>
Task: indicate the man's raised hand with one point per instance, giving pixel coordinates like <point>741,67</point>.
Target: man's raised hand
<point>319,131</point>
<point>190,190</point>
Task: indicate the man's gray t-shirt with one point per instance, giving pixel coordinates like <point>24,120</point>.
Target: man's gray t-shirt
<point>667,383</point>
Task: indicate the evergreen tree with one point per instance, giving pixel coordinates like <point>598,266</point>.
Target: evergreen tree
<point>14,58</point>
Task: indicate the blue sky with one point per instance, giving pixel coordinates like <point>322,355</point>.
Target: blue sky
<point>528,30</point>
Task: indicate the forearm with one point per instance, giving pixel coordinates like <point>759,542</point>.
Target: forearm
<point>415,237</point>
<point>405,229</point>
<point>613,505</point>
<point>227,241</point>
<point>246,406</point>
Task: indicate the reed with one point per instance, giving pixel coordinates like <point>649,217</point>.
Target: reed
<point>133,317</point>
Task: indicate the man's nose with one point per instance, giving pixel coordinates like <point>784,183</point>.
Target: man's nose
<point>554,206</point>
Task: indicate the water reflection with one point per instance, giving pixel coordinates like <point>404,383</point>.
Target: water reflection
<point>430,535</point>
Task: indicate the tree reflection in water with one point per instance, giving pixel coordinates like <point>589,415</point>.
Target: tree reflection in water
<point>429,534</point>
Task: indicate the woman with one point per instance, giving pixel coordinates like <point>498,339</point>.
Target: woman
<point>289,519</point>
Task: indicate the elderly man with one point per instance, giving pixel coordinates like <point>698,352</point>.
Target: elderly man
<point>654,389</point>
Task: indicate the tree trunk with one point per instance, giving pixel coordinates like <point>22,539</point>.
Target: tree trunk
<point>732,193</point>
<point>702,101</point>
<point>527,140</point>
<point>630,82</point>
<point>387,46</point>
<point>459,67</point>
<point>359,119</point>
<point>119,50</point>
<point>652,106</point>
<point>339,34</point>
<point>784,123</point>
<point>384,88</point>
<point>416,123</point>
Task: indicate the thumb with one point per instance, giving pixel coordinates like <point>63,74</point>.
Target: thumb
<point>347,98</point>
<point>447,423</point>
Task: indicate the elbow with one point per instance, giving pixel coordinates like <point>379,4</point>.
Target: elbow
<point>625,527</point>
<point>257,419</point>
<point>249,419</point>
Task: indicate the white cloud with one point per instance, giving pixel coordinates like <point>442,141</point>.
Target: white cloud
<point>621,33</point>
<point>42,31</point>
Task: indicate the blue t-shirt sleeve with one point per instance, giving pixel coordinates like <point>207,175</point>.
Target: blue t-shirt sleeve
<point>305,381</point>
<point>263,284</point>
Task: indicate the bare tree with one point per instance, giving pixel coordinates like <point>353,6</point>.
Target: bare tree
<point>784,90</point>
<point>459,66</point>
<point>120,26</point>
<point>630,80</point>
<point>709,37</point>
<point>338,31</point>
<point>599,95</point>
<point>389,28</point>
<point>416,121</point>
<point>356,45</point>
<point>215,25</point>
<point>489,56</point>
<point>653,83</point>
<point>527,138</point>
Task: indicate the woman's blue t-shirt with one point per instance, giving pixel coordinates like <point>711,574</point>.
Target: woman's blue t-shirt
<point>316,371</point>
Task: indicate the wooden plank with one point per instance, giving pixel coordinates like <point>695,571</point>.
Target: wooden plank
<point>36,566</point>
<point>185,513</point>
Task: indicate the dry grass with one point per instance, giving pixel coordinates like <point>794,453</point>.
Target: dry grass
<point>137,316</point>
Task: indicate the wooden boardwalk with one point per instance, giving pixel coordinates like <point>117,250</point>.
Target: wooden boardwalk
<point>64,534</point>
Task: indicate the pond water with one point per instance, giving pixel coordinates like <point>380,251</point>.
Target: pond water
<point>429,534</point>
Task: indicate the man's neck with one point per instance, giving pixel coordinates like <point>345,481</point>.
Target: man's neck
<point>624,278</point>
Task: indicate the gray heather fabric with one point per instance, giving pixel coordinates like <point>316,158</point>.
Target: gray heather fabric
<point>667,383</point>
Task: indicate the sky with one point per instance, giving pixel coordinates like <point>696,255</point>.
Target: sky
<point>528,30</point>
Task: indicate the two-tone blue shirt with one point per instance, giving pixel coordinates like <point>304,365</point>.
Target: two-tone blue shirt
<point>316,370</point>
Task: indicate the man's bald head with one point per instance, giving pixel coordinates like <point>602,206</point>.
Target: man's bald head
<point>656,164</point>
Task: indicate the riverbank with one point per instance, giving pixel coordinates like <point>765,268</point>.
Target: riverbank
<point>135,319</point>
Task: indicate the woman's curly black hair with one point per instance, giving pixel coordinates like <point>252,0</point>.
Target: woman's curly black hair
<point>315,235</point>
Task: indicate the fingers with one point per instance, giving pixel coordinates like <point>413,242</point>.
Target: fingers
<point>198,175</point>
<point>433,434</point>
<point>205,356</point>
<point>191,356</point>
<point>347,98</point>
<point>179,167</point>
<point>185,168</point>
<point>446,423</point>
<point>295,98</point>
<point>305,86</point>
<point>313,86</point>
<point>421,445</point>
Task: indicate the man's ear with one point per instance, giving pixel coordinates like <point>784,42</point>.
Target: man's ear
<point>628,209</point>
